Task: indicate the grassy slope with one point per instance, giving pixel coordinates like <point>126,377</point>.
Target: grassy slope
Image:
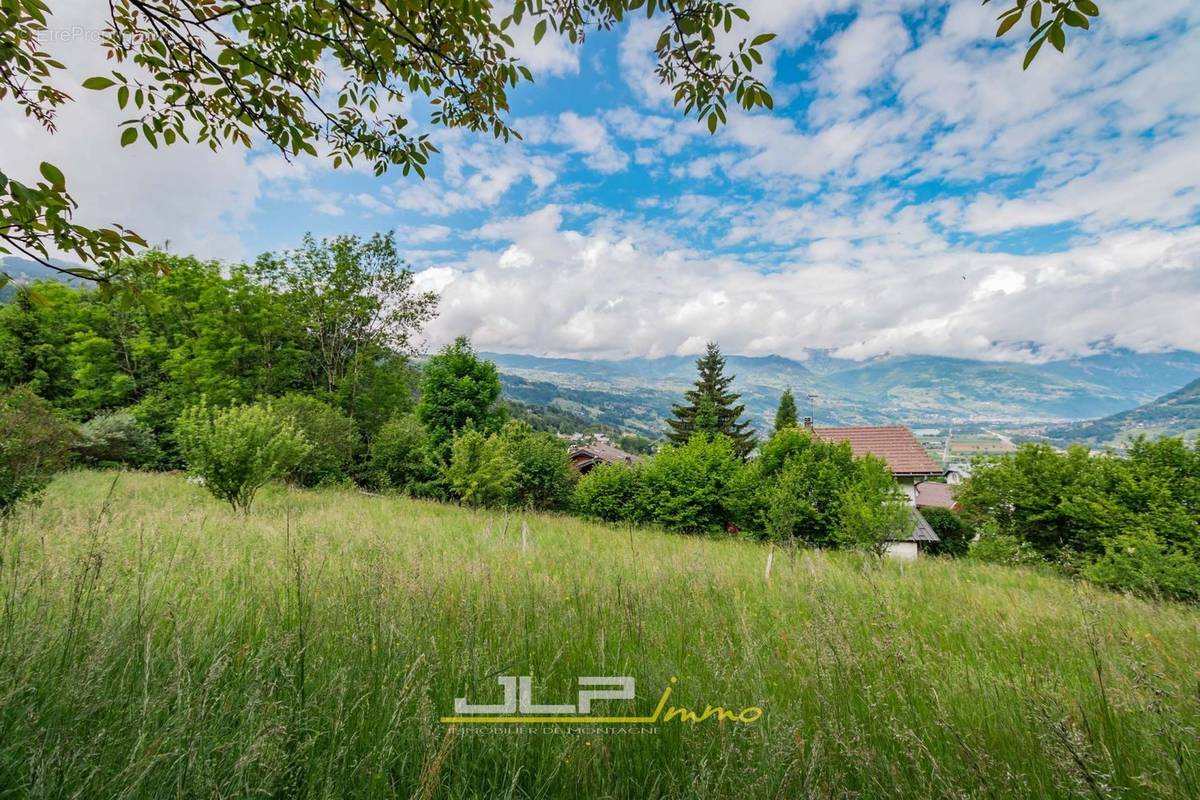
<point>170,647</point>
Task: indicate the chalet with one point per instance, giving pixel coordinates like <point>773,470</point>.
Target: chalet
<point>584,457</point>
<point>911,466</point>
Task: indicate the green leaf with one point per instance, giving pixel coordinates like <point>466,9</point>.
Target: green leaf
<point>761,39</point>
<point>1075,19</point>
<point>1007,23</point>
<point>1031,53</point>
<point>1088,7</point>
<point>98,82</point>
<point>128,136</point>
<point>53,174</point>
<point>539,31</point>
<point>712,123</point>
<point>1057,38</point>
<point>1035,15</point>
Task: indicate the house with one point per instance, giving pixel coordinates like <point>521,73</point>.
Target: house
<point>911,466</point>
<point>584,457</point>
<point>932,494</point>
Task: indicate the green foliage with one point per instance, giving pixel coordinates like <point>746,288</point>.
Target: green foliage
<point>458,389</point>
<point>377,389</point>
<point>690,487</point>
<point>993,547</point>
<point>216,75</point>
<point>35,443</point>
<point>1141,562</point>
<point>482,471</point>
<point>1049,20</point>
<point>353,298</point>
<point>236,450</point>
<point>785,415</point>
<point>954,534</point>
<point>611,493</point>
<point>115,437</point>
<point>711,407</point>
<point>544,478</point>
<point>330,434</point>
<point>1120,518</point>
<point>399,456</point>
<point>795,488</point>
<point>873,509</point>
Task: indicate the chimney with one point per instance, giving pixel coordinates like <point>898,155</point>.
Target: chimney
<point>808,426</point>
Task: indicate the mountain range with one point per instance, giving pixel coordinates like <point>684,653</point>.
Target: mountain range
<point>1173,414</point>
<point>637,393</point>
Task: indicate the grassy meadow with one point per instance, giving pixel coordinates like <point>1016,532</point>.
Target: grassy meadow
<point>155,644</point>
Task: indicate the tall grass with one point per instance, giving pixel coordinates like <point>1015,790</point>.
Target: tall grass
<point>154,644</point>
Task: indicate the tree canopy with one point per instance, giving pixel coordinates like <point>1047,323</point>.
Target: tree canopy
<point>785,415</point>
<point>218,72</point>
<point>712,407</point>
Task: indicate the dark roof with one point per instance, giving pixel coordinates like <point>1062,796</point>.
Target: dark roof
<point>922,532</point>
<point>895,444</point>
<point>600,451</point>
<point>931,494</point>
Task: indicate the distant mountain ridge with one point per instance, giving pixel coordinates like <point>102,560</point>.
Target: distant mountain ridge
<point>1173,414</point>
<point>637,393</point>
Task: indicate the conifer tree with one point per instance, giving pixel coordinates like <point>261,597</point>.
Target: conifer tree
<point>785,416</point>
<point>711,398</point>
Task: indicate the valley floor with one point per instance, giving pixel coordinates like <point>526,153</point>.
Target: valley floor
<point>153,643</point>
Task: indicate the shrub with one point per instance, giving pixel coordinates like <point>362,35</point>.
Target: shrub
<point>482,472</point>
<point>689,487</point>
<point>544,476</point>
<point>116,438</point>
<point>35,443</point>
<point>236,450</point>
<point>399,456</point>
<point>949,526</point>
<point>330,434</point>
<point>610,492</point>
<point>873,510</point>
<point>1140,562</point>
<point>994,547</point>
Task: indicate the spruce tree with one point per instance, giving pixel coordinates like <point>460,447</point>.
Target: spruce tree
<point>785,416</point>
<point>711,397</point>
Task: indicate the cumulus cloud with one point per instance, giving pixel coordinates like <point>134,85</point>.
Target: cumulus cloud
<point>604,291</point>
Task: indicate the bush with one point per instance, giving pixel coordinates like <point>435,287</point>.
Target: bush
<point>873,510</point>
<point>238,449</point>
<point>610,492</point>
<point>399,456</point>
<point>116,438</point>
<point>994,547</point>
<point>482,472</point>
<point>544,477</point>
<point>1140,562</point>
<point>949,526</point>
<point>330,434</point>
<point>690,487</point>
<point>35,442</point>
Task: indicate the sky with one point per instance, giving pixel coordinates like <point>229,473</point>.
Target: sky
<point>913,191</point>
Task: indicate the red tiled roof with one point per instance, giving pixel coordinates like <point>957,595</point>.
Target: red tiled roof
<point>895,444</point>
<point>935,495</point>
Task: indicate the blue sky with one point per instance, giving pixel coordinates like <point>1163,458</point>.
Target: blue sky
<point>913,191</point>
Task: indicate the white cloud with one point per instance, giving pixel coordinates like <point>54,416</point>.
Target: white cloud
<point>604,291</point>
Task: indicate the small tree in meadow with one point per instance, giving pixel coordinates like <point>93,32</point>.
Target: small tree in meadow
<point>482,472</point>
<point>35,443</point>
<point>237,450</point>
<point>610,492</point>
